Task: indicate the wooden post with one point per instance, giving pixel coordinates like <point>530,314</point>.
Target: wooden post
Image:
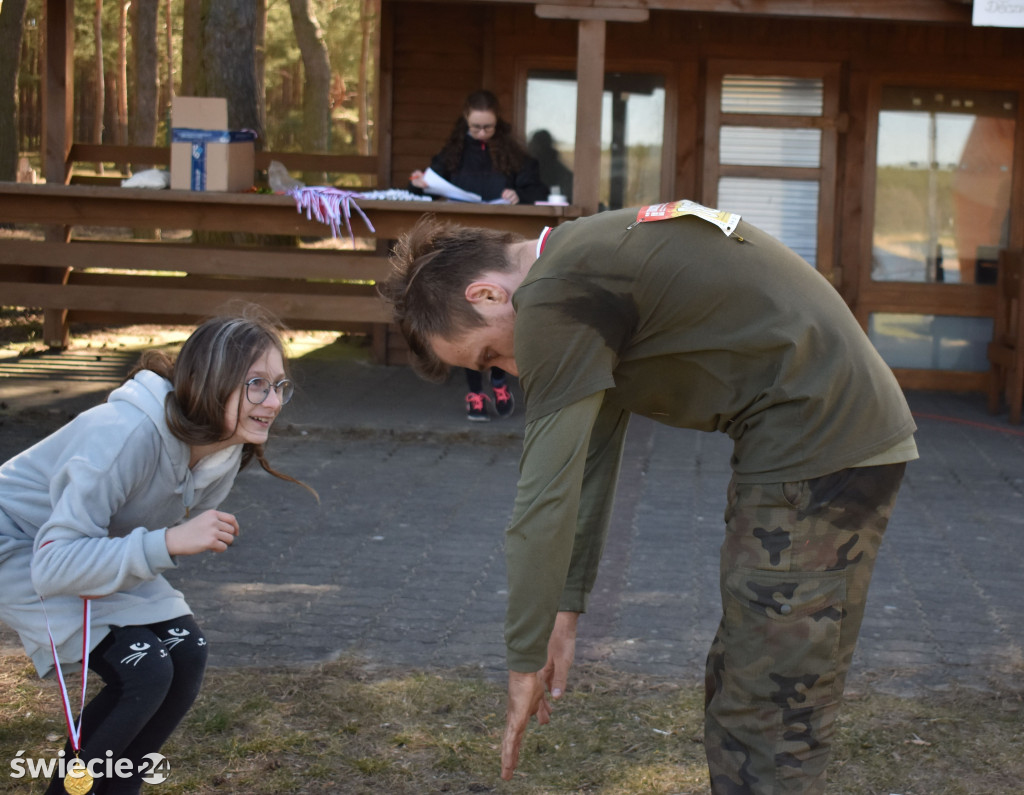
<point>383,145</point>
<point>58,90</point>
<point>58,131</point>
<point>586,190</point>
<point>591,33</point>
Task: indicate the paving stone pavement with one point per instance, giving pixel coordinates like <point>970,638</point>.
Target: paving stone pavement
<point>401,562</point>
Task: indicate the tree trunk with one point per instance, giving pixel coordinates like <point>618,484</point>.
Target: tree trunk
<point>227,68</point>
<point>368,26</point>
<point>191,48</point>
<point>144,50</point>
<point>122,79</point>
<point>12,22</point>
<point>99,95</point>
<point>169,55</point>
<point>229,62</point>
<point>316,88</point>
<point>111,121</point>
<point>261,48</point>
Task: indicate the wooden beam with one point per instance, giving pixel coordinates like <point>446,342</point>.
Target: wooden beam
<point>195,318</point>
<point>110,153</point>
<point>551,11</point>
<point>942,380</point>
<point>309,308</point>
<point>586,192</point>
<point>947,11</point>
<point>148,284</point>
<point>260,262</point>
<point>84,205</point>
<point>161,155</point>
<point>961,300</point>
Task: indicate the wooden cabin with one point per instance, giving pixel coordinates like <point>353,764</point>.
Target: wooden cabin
<point>881,139</point>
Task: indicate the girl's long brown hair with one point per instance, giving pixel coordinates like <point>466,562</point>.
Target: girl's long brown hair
<point>212,364</point>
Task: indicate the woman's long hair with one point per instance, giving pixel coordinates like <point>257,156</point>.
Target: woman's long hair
<point>211,365</point>
<point>507,153</point>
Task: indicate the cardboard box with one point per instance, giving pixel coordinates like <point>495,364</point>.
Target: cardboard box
<point>205,154</point>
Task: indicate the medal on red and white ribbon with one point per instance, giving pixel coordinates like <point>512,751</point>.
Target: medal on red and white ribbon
<point>78,780</point>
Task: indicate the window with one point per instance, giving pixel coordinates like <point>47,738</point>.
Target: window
<point>786,209</point>
<point>771,151</point>
<point>942,187</point>
<point>632,132</point>
<point>931,342</point>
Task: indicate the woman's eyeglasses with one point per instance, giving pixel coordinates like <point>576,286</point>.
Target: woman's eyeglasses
<point>258,389</point>
<point>478,128</point>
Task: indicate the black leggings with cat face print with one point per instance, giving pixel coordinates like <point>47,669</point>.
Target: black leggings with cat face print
<point>152,675</point>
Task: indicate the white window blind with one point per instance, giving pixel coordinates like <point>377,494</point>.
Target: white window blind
<point>772,94</point>
<point>770,146</point>
<point>784,208</point>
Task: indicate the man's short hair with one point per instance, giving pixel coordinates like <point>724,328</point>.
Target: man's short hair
<point>431,267</point>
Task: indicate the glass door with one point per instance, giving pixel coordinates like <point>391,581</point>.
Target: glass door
<point>632,133</point>
<point>942,191</point>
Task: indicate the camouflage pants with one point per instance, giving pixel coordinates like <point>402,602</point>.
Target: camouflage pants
<point>796,564</point>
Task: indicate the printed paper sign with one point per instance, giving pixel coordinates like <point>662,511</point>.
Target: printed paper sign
<point>999,13</point>
<point>724,220</point>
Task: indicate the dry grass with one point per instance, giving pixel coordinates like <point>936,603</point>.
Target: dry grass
<point>19,326</point>
<point>346,727</point>
<point>21,334</point>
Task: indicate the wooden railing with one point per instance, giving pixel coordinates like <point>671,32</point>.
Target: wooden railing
<point>120,279</point>
<point>365,166</point>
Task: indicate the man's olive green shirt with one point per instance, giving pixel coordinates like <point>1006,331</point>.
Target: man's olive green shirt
<point>676,321</point>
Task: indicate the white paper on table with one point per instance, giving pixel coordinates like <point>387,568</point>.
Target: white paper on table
<point>439,186</point>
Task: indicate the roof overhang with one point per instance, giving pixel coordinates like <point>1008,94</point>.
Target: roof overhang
<point>947,11</point>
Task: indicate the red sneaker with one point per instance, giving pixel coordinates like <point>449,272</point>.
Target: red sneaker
<point>476,411</point>
<point>504,402</point>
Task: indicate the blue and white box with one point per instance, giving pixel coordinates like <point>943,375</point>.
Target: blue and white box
<point>205,154</point>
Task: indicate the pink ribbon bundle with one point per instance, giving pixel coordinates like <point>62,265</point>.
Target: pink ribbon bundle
<point>329,206</point>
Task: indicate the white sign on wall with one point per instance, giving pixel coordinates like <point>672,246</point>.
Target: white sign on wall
<point>999,13</point>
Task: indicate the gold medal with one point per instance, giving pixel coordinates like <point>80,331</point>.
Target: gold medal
<point>77,781</point>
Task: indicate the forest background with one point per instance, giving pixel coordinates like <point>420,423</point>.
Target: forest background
<point>298,72</point>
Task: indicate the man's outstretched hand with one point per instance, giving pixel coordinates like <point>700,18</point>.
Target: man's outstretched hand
<point>561,653</point>
<point>525,698</point>
<point>526,691</point>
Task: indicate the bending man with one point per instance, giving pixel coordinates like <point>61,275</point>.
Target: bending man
<point>696,319</point>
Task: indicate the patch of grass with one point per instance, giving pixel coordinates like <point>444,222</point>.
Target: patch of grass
<point>20,325</point>
<point>21,332</point>
<point>346,727</point>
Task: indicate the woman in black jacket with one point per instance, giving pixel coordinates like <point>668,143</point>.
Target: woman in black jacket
<point>482,156</point>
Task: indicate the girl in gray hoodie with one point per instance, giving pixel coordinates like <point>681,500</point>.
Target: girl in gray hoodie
<point>97,510</point>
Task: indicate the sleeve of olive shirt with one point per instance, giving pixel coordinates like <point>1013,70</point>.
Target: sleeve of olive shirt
<point>570,462</point>
<point>553,546</point>
<point>600,475</point>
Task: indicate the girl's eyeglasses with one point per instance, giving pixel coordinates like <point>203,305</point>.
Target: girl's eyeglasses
<point>258,389</point>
